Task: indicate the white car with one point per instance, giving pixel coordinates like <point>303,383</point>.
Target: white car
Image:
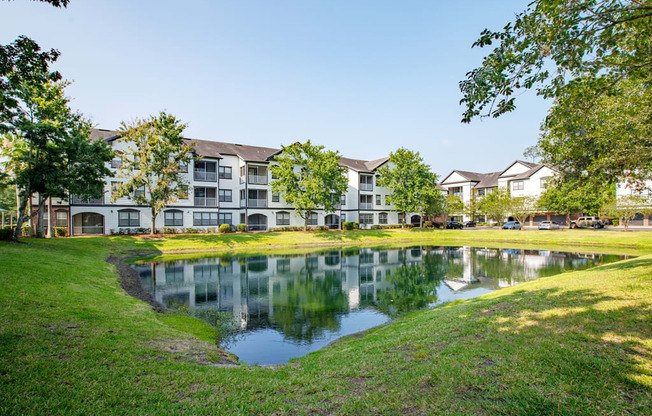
<point>548,225</point>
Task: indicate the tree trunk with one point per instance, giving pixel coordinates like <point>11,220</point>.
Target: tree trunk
<point>403,218</point>
<point>305,221</point>
<point>152,230</point>
<point>50,232</point>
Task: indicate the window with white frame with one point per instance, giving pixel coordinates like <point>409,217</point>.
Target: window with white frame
<point>60,219</point>
<point>366,218</point>
<point>366,183</point>
<point>382,218</point>
<point>226,218</point>
<point>226,195</point>
<point>172,218</point>
<point>140,191</point>
<point>343,200</point>
<point>225,172</point>
<point>518,185</point>
<point>128,218</point>
<point>378,200</point>
<point>282,218</point>
<point>204,218</point>
<point>276,197</point>
<point>366,201</point>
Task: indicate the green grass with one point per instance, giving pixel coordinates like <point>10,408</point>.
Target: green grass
<point>72,342</point>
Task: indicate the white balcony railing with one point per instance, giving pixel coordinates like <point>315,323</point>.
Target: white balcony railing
<point>205,202</point>
<point>257,203</point>
<point>366,186</point>
<point>366,205</point>
<point>205,176</point>
<point>257,179</point>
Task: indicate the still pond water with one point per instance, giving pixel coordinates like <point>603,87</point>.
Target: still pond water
<point>280,307</point>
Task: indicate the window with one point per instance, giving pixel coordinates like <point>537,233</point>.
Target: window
<point>544,181</point>
<point>44,220</point>
<point>283,265</point>
<point>382,218</point>
<point>456,190</point>
<point>183,167</point>
<point>115,186</point>
<point>184,192</point>
<point>378,202</point>
<point>128,218</point>
<point>225,172</point>
<point>517,185</point>
<point>226,218</point>
<point>343,216</point>
<point>205,197</point>
<point>204,218</point>
<point>139,191</point>
<point>366,218</point>
<point>366,183</point>
<point>366,201</point>
<point>173,218</point>
<point>313,218</point>
<point>116,162</point>
<point>60,219</point>
<point>400,218</point>
<point>242,171</point>
<point>276,197</point>
<point>136,163</point>
<point>282,218</point>
<point>343,200</point>
<point>480,192</point>
<point>226,195</point>
<point>205,171</point>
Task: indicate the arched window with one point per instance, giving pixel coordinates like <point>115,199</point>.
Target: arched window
<point>128,218</point>
<point>282,218</point>
<point>382,218</point>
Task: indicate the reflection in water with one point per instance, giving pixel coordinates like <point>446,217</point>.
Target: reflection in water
<point>288,306</point>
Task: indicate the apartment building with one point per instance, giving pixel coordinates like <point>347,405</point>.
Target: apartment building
<point>521,178</point>
<point>626,188</point>
<point>227,184</point>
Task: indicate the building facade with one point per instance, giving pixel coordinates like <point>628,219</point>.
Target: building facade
<point>227,184</point>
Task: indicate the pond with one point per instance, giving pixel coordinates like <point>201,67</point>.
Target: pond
<point>279,307</point>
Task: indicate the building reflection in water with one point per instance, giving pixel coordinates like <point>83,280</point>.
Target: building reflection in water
<point>304,296</point>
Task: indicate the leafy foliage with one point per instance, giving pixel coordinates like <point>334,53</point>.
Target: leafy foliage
<point>152,165</point>
<point>309,177</point>
<point>625,208</point>
<point>411,184</point>
<point>521,207</point>
<point>496,205</point>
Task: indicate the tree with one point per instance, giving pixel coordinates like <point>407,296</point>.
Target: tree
<point>453,205</point>
<point>521,207</point>
<point>309,177</point>
<point>45,145</point>
<point>152,164</point>
<point>471,207</point>
<point>626,208</point>
<point>496,205</point>
<point>593,58</point>
<point>410,182</point>
<point>569,197</point>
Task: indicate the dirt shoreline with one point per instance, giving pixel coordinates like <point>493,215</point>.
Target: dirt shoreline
<point>130,281</point>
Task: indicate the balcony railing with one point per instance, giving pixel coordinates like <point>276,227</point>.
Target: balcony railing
<point>257,203</point>
<point>366,205</point>
<point>205,176</point>
<point>205,202</point>
<point>79,201</point>
<point>257,179</point>
<point>366,186</point>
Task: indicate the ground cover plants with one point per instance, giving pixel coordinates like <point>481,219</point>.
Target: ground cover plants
<point>73,342</point>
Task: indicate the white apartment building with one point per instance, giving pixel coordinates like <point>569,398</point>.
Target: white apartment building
<point>521,178</point>
<point>228,184</point>
<point>626,188</point>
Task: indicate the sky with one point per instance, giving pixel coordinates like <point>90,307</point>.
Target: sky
<point>360,77</point>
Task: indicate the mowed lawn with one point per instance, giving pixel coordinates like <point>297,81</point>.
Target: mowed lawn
<point>72,342</point>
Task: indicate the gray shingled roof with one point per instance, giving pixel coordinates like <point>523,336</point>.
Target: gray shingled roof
<point>102,134</point>
<point>489,180</point>
<point>245,152</point>
<point>362,165</point>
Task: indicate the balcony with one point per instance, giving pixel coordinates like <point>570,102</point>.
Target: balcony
<point>78,201</point>
<point>366,205</point>
<point>205,202</point>
<point>257,179</point>
<point>257,203</point>
<point>204,176</point>
<point>366,186</point>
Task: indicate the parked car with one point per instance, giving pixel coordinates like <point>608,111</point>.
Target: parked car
<point>512,225</point>
<point>469,223</point>
<point>454,225</point>
<point>584,222</point>
<point>548,225</point>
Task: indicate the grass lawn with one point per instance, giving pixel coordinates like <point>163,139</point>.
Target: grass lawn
<point>72,342</point>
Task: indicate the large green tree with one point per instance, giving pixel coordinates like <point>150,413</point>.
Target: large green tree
<point>309,177</point>
<point>625,208</point>
<point>410,182</point>
<point>496,205</point>
<point>151,166</point>
<point>521,207</point>
<point>593,58</point>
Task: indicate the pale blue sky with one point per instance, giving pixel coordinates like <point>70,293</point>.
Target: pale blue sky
<point>361,77</point>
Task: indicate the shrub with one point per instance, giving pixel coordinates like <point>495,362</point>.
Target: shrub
<point>6,233</point>
<point>242,227</point>
<point>409,225</point>
<point>191,230</point>
<point>27,231</point>
<point>427,224</point>
<point>225,228</point>
<point>356,225</point>
<point>61,231</point>
<point>168,230</point>
<point>347,225</point>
